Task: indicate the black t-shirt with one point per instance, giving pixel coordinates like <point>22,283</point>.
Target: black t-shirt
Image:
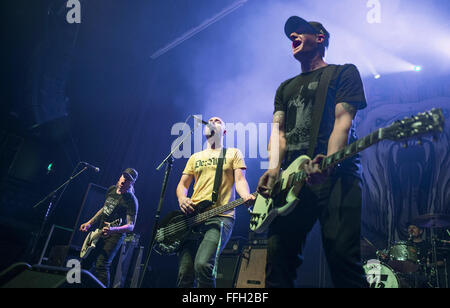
<point>422,249</point>
<point>118,206</point>
<point>296,97</point>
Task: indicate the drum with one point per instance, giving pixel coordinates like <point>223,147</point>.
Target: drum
<point>380,275</point>
<point>403,257</point>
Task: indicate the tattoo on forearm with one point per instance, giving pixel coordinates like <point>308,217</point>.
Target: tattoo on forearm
<point>278,117</point>
<point>97,215</point>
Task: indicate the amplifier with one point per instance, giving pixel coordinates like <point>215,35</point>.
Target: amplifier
<point>252,268</point>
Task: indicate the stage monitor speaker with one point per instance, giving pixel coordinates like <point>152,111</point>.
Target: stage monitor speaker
<point>125,261</point>
<point>22,275</point>
<point>252,269</point>
<point>227,270</point>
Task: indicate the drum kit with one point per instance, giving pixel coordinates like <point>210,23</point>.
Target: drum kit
<point>404,265</point>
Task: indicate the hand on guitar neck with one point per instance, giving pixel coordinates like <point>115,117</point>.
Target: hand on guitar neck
<point>315,175</point>
<point>107,230</point>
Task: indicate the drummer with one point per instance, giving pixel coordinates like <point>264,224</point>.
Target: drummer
<point>422,246</point>
<point>415,238</point>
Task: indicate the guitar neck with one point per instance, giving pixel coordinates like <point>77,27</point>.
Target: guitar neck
<point>199,218</point>
<point>342,154</point>
<point>352,149</point>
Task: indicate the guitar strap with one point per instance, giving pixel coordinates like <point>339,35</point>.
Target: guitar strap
<point>319,105</point>
<point>218,177</point>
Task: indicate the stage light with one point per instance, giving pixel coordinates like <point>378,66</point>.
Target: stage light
<point>417,68</point>
<point>50,168</point>
<point>377,76</point>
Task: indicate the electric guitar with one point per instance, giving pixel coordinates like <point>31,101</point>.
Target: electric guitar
<point>176,226</point>
<point>92,238</point>
<point>284,195</point>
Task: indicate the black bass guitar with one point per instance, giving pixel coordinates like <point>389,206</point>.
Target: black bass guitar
<point>176,226</point>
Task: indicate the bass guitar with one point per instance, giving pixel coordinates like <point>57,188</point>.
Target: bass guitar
<point>284,195</point>
<point>176,226</point>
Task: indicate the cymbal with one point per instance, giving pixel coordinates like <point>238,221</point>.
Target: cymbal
<point>432,221</point>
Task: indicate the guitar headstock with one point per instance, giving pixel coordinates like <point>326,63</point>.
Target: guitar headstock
<point>424,123</point>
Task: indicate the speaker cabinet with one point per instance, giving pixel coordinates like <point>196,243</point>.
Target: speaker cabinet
<point>127,259</point>
<point>22,275</point>
<point>252,269</point>
<point>227,270</point>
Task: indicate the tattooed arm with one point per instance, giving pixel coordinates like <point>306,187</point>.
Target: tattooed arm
<point>129,227</point>
<point>277,150</point>
<point>277,141</point>
<point>86,226</point>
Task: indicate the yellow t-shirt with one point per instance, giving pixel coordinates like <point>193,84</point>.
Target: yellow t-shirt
<point>202,165</point>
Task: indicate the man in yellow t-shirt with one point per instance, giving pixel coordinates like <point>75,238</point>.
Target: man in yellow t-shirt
<point>198,256</point>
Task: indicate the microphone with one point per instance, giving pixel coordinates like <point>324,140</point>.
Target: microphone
<point>96,169</point>
<point>200,120</point>
<point>211,127</point>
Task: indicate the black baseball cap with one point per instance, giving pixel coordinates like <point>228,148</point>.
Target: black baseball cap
<point>130,174</point>
<point>299,25</point>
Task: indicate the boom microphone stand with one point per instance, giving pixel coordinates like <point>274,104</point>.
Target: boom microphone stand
<point>169,162</point>
<point>51,204</point>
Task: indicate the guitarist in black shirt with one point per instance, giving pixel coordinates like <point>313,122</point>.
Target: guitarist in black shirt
<point>333,196</point>
<point>120,202</point>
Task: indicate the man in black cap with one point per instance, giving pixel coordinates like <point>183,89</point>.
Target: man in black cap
<point>331,196</point>
<point>120,203</point>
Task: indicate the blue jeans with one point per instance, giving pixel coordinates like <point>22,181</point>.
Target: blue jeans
<point>99,261</point>
<point>197,257</point>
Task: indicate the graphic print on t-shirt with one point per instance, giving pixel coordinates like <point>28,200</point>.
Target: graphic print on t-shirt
<point>299,112</point>
<point>110,205</point>
<point>208,162</point>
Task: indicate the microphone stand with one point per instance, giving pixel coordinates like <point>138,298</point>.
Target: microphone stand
<point>51,197</point>
<point>169,162</point>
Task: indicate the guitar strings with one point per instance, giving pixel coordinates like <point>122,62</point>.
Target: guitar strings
<point>178,226</point>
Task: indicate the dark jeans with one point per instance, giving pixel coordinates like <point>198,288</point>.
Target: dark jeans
<point>337,205</point>
<point>100,259</point>
<point>197,257</point>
